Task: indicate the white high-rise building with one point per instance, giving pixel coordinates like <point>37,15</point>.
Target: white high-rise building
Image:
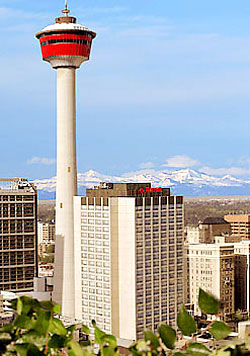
<point>128,257</point>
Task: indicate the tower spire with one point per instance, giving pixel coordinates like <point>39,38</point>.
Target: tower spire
<point>66,11</point>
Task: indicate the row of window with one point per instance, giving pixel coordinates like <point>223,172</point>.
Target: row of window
<point>66,40</point>
<point>96,221</point>
<point>94,207</point>
<point>95,228</point>
<point>95,242</point>
<point>97,214</point>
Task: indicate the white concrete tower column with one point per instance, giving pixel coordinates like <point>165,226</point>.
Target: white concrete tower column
<point>66,188</point>
<point>65,45</point>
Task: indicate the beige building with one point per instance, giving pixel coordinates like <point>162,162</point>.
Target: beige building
<point>18,235</point>
<point>240,225</point>
<point>211,267</point>
<point>46,232</point>
<point>128,257</point>
<point>192,235</point>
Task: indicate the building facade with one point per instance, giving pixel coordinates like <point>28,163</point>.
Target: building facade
<point>46,232</point>
<point>211,267</point>
<point>242,275</point>
<point>129,239</point>
<point>211,227</point>
<point>18,235</point>
<point>240,225</point>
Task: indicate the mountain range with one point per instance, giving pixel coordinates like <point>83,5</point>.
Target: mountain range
<point>187,182</point>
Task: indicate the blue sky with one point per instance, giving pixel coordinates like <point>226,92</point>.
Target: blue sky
<point>167,86</point>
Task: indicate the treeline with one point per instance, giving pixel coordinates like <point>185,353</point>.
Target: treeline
<point>195,210</point>
<point>46,211</point>
<point>198,210</point>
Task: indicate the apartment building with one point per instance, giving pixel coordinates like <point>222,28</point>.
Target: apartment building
<point>128,257</point>
<point>240,225</point>
<point>211,267</point>
<point>18,235</point>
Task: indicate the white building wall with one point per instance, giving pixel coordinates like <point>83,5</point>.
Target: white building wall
<point>77,254</point>
<point>204,271</point>
<point>127,268</point>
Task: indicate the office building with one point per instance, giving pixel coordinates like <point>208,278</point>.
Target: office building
<point>211,267</point>
<point>65,45</point>
<point>240,225</point>
<point>18,235</point>
<point>128,257</point>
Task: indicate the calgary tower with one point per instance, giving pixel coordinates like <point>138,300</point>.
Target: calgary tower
<point>65,45</point>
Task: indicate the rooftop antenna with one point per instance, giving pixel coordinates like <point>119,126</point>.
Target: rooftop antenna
<point>66,11</point>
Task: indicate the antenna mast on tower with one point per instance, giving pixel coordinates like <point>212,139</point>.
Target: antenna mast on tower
<point>66,11</point>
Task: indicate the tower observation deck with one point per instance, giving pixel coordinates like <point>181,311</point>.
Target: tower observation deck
<point>65,45</point>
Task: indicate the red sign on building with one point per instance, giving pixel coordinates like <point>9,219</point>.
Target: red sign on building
<point>150,190</point>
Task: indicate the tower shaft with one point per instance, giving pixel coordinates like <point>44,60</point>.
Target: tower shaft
<point>66,188</point>
<point>65,45</point>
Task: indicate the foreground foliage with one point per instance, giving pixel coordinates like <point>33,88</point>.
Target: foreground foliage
<point>37,330</point>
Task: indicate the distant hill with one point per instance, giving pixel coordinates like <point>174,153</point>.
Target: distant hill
<point>187,182</point>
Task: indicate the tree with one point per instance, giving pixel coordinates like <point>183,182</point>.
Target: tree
<point>37,330</point>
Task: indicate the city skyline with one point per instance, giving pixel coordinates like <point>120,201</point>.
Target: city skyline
<point>175,75</point>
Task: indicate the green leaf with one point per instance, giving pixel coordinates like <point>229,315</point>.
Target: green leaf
<point>32,337</point>
<point>220,330</point>
<point>76,348</point>
<point>7,328</point>
<point>133,349</point>
<point>24,322</point>
<point>47,305</point>
<point>57,309</point>
<point>196,349</point>
<point>99,335</point>
<point>108,351</point>
<point>168,335</point>
<point>142,346</point>
<point>186,322</point>
<point>208,303</point>
<point>57,327</point>
<point>29,305</point>
<point>22,349</point>
<point>5,337</point>
<point>19,306</point>
<point>110,340</point>
<point>42,323</point>
<point>57,341</point>
<point>178,354</point>
<point>86,329</point>
<point>150,336</point>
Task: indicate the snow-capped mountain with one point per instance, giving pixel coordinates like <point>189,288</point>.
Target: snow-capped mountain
<point>187,182</point>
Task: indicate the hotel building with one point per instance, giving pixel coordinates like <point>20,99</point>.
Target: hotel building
<point>128,257</point>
